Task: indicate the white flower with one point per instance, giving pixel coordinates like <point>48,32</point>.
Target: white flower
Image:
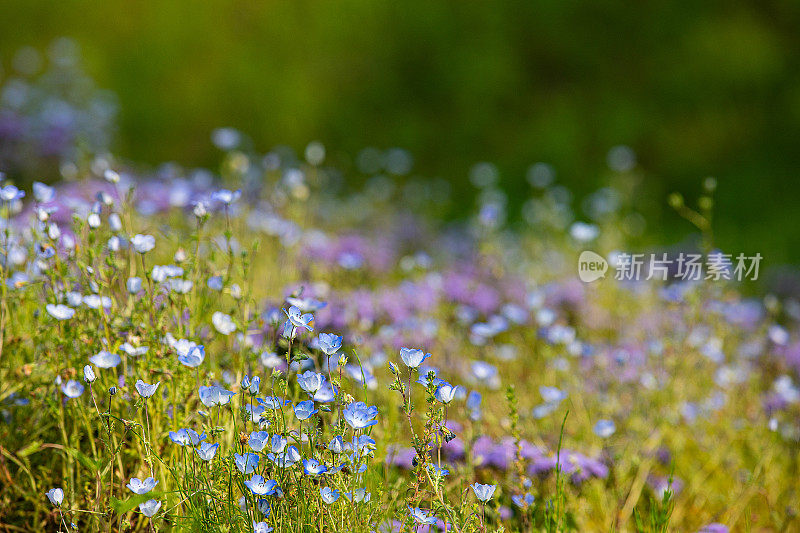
<point>105,359</point>
<point>94,301</point>
<point>223,323</point>
<point>60,311</point>
<point>115,222</point>
<point>93,220</point>
<point>111,176</point>
<point>200,209</point>
<point>43,193</point>
<point>145,389</point>
<point>143,244</point>
<point>53,231</point>
<point>88,374</point>
<point>133,351</point>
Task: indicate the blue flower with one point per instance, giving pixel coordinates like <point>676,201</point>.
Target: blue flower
<point>552,394</point>
<point>138,486</point>
<point>326,394</point>
<point>261,527</point>
<point>445,392</point>
<point>134,284</point>
<point>483,492</point>
<point>523,500</point>
<point>359,415</point>
<point>255,412</point>
<point>72,389</point>
<point>257,440</point>
<point>298,319</point>
<point>246,462</point>
<point>552,397</point>
<point>420,517</point>
<point>312,467</point>
<point>413,357</point>
<point>277,443</point>
<point>145,389</point>
<point>150,507</point>
<point>273,402</point>
<point>215,395</point>
<point>9,193</point>
<point>483,371</point>
<point>261,487</point>
<point>255,383</point>
<point>56,496</point>
<point>310,381</point>
<point>438,471</point>
<point>263,504</point>
<point>17,280</point>
<point>424,372</point>
<point>286,458</point>
<point>329,343</point>
<point>306,304</point>
<point>186,437</point>
<point>88,374</point>
<point>329,495</point>
<point>474,400</point>
<point>60,311</point>
<point>215,283</point>
<point>336,445</point>
<point>358,495</point>
<point>207,451</point>
<point>193,356</point>
<point>605,428</point>
<point>361,444</point>
<point>304,410</point>
<point>225,196</point>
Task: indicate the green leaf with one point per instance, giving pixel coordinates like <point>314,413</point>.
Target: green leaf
<point>84,459</point>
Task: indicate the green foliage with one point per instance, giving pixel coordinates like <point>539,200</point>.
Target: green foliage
<point>695,89</point>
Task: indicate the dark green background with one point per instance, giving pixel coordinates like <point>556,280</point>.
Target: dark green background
<point>696,88</point>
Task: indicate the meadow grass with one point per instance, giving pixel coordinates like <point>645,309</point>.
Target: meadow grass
<point>331,362</point>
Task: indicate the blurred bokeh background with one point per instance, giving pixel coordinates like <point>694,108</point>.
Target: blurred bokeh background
<point>696,89</point>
